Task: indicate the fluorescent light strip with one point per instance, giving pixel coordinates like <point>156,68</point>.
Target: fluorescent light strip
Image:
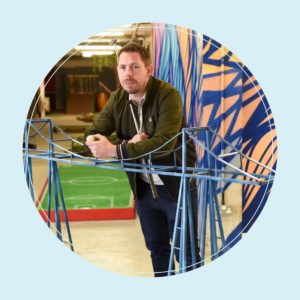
<point>92,53</point>
<point>97,47</point>
<point>97,40</point>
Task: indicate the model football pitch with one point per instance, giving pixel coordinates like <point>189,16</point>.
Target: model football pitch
<point>92,188</point>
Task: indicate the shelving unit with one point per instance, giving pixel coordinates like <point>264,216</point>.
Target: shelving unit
<point>81,93</point>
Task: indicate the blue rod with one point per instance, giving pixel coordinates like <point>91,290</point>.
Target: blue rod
<point>182,260</point>
<point>175,235</point>
<point>49,192</point>
<point>56,204</point>
<point>156,168</point>
<point>203,221</point>
<point>191,226</point>
<point>219,217</point>
<point>31,185</point>
<point>50,180</point>
<point>54,183</point>
<point>28,163</point>
<point>212,221</point>
<point>63,206</point>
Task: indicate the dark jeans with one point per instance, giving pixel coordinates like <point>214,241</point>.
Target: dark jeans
<point>157,220</point>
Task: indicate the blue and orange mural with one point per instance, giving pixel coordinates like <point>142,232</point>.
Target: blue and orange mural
<point>219,91</point>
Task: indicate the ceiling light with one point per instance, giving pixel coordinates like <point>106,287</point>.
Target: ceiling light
<point>97,47</point>
<point>97,40</point>
<point>92,53</point>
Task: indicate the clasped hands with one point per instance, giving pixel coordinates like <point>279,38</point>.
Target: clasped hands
<point>101,147</point>
<point>138,137</point>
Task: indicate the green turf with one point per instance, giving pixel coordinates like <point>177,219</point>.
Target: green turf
<point>87,187</point>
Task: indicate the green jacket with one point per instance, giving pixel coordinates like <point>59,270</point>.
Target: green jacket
<point>162,119</point>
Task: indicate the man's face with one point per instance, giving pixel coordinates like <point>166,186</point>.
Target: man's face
<point>132,72</point>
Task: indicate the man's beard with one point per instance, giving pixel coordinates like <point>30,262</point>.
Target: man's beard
<point>131,91</point>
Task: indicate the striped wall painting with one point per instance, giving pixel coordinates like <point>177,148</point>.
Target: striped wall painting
<point>219,90</point>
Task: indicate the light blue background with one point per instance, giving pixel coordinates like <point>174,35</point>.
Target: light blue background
<point>34,35</point>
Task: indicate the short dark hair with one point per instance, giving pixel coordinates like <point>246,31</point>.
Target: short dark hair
<point>135,47</point>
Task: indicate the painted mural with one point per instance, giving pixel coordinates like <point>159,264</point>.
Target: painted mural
<point>219,91</point>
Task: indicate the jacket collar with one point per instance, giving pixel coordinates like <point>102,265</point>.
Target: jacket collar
<point>149,90</point>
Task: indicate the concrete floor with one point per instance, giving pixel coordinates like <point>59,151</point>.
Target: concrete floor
<point>119,246</point>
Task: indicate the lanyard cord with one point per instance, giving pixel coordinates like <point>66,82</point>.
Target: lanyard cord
<point>152,185</point>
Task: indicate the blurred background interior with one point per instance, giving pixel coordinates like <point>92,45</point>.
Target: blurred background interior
<point>80,83</point>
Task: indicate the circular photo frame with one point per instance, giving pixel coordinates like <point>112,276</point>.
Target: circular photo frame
<point>150,149</point>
